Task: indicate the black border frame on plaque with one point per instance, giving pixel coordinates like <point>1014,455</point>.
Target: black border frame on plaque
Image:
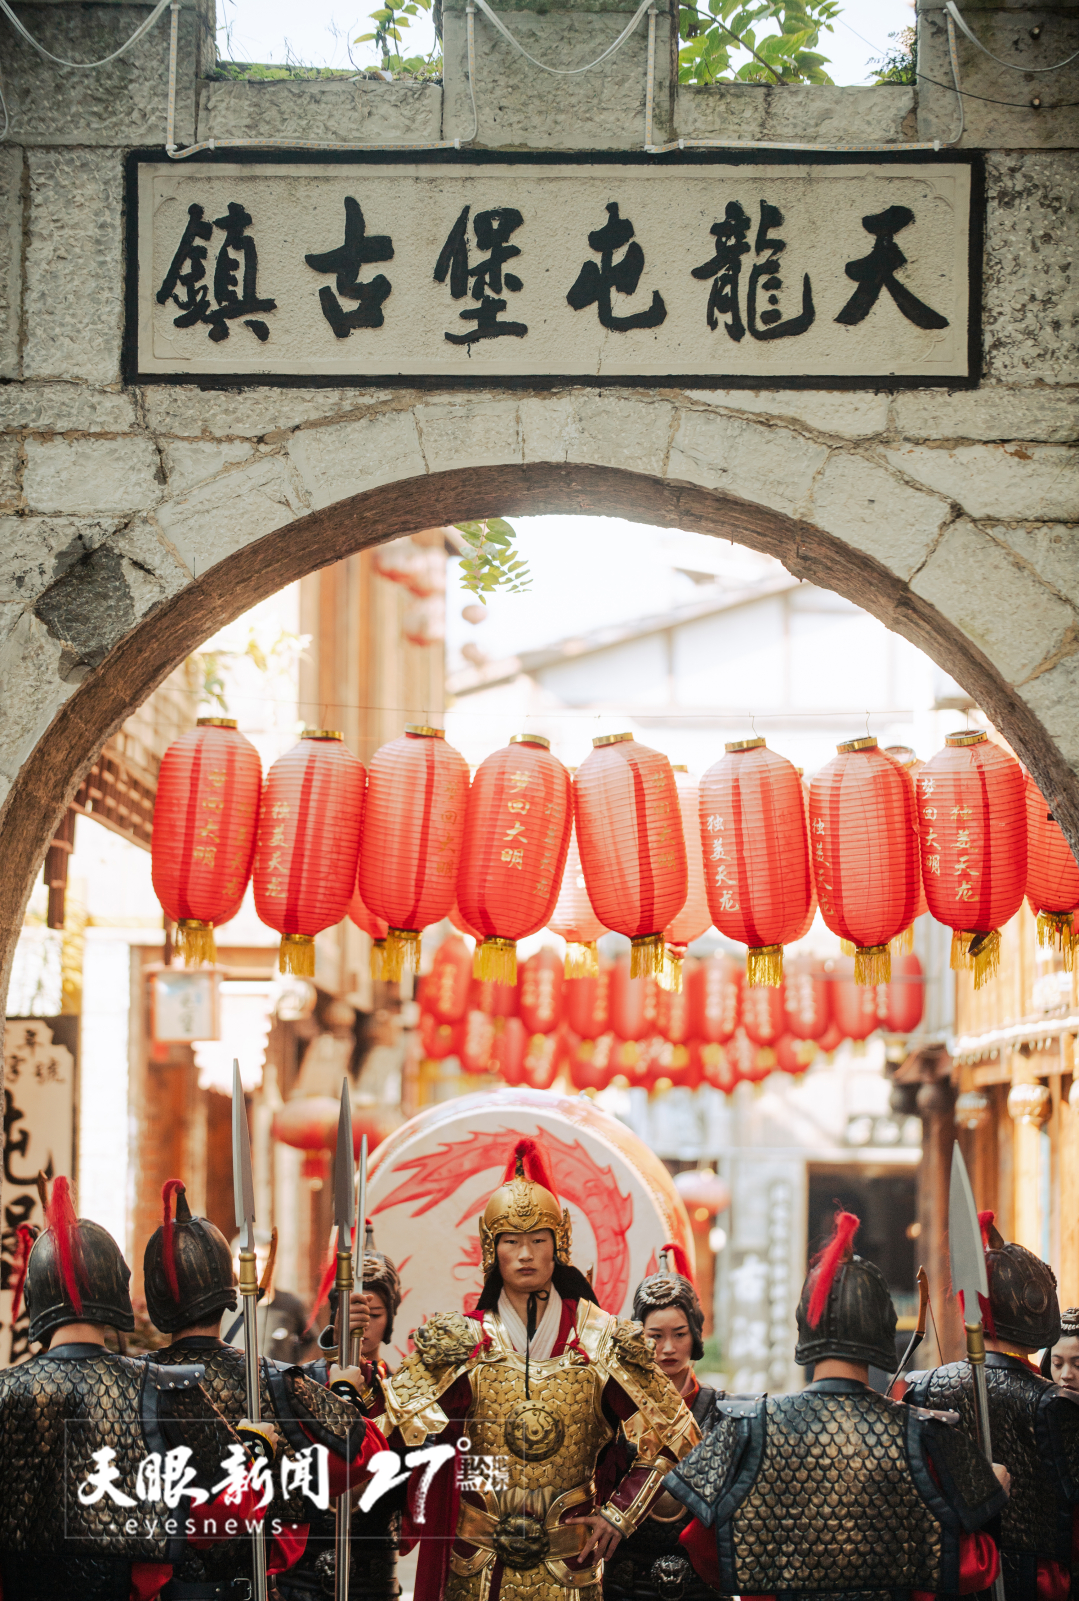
<point>718,156</point>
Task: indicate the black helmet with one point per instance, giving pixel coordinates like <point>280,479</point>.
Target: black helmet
<point>187,1268</point>
<point>845,1309</point>
<point>75,1274</point>
<point>1023,1305</point>
<point>672,1288</point>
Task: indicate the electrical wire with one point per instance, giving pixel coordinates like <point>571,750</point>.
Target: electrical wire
<point>1020,105</point>
<point>953,11</point>
<point>84,66</point>
<point>562,72</point>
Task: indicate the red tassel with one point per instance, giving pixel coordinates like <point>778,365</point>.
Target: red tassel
<point>678,1262</point>
<point>26,1235</point>
<point>985,1223</point>
<point>827,1262</point>
<point>170,1188</point>
<point>61,1220</point>
<point>534,1161</point>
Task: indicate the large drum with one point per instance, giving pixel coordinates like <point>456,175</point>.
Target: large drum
<point>430,1180</point>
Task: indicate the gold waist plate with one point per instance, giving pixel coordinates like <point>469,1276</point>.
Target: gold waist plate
<point>483,1528</point>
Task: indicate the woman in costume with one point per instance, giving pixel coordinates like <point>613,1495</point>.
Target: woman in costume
<point>529,1389</point>
<point>650,1565</point>
<point>1060,1362</point>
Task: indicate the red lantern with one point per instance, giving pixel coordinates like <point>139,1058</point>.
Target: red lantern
<point>573,918</point>
<point>748,1060</point>
<point>683,1067</point>
<point>854,1005</point>
<point>590,1062</point>
<point>716,1068</point>
<point>905,996</point>
<point>477,1035</point>
<point>763,1015</point>
<point>694,919</point>
<point>539,992</point>
<point>1052,875</point>
<point>633,1002</point>
<point>508,1052</point>
<point>438,1040</point>
<point>517,824</point>
<point>447,986</point>
<point>373,927</point>
<point>905,758</point>
<point>630,837</point>
<point>807,1007</point>
<point>973,825</point>
<point>205,818</point>
<point>861,820</point>
<point>309,834</point>
<point>703,1191</point>
<point>309,1123</point>
<point>756,854</point>
<point>714,987</point>
<point>496,1000</point>
<point>794,1055</point>
<point>831,1039</point>
<point>630,1060</point>
<point>672,1015</point>
<point>586,1004</point>
<point>460,925</point>
<point>542,1061</point>
<point>412,833</point>
<point>812,909</point>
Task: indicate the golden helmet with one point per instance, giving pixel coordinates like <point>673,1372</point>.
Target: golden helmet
<point>525,1201</point>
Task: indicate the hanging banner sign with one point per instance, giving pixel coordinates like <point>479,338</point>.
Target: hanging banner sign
<point>698,268</point>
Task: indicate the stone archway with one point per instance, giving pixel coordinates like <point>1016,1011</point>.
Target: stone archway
<point>824,482</point>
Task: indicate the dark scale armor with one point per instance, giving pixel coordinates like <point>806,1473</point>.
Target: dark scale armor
<point>289,1398</point>
<point>56,1411</point>
<point>829,1493</point>
<point>1035,1432</point>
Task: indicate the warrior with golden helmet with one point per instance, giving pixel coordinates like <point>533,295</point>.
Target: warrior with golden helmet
<point>531,1388</point>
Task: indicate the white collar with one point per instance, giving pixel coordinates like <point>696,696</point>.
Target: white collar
<point>546,1335</point>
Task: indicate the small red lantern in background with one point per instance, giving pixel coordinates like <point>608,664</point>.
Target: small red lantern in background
<point>763,1015</point>
<point>854,1005</point>
<point>748,1060</point>
<point>438,1040</point>
<point>476,1038</point>
<point>672,1015</point>
<point>412,832</point>
<point>973,824</point>
<point>508,1048</point>
<point>682,1065</point>
<point>308,838</point>
<point>630,1059</point>
<point>753,833</point>
<point>695,918</point>
<point>496,1000</point>
<point>703,1191</point>
<point>714,990</point>
<point>864,839</point>
<point>632,1002</point>
<point>629,834</point>
<point>831,1039</point>
<point>807,1007</point>
<point>794,1055</point>
<point>905,995</point>
<point>716,1068</point>
<point>573,918</point>
<point>517,824</point>
<point>205,820</point>
<point>539,992</point>
<point>590,1061</point>
<point>586,1004</point>
<point>446,987</point>
<point>1052,885</point>
<point>309,1123</point>
<point>905,758</point>
<point>542,1060</point>
<point>375,929</point>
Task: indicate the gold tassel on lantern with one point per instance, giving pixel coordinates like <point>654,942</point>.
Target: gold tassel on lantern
<point>646,956</point>
<point>401,952</point>
<point>582,960</point>
<point>983,954</point>
<point>195,942</point>
<point>377,960</point>
<point>764,965</point>
<point>848,947</point>
<point>297,955</point>
<point>873,966</point>
<point>1055,932</point>
<point>960,961</point>
<point>495,961</point>
<point>670,979</point>
<point>903,943</point>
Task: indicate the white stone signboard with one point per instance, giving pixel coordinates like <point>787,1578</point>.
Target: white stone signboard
<point>700,268</point>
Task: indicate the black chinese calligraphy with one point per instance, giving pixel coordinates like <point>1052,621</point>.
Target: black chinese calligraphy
<point>17,1143</point>
<point>234,297</point>
<point>594,283</point>
<point>492,229</point>
<point>725,267</point>
<point>347,261</point>
<point>877,271</point>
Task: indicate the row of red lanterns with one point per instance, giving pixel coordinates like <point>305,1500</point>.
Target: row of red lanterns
<point>628,844</point>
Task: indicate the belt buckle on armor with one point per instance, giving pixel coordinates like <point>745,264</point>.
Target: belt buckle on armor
<point>669,1575</point>
<point>520,1541</point>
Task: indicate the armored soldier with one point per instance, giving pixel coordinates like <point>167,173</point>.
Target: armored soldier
<point>188,1276</point>
<point>1033,1423</point>
<point>110,1468</point>
<point>838,1491</point>
<point>531,1387</point>
<point>650,1565</point>
<point>376,1533</point>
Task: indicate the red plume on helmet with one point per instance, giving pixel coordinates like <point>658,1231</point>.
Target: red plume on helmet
<point>991,1241</point>
<point>62,1224</point>
<point>25,1234</point>
<point>678,1261</point>
<point>838,1249</point>
<point>534,1164</point>
<point>170,1188</point>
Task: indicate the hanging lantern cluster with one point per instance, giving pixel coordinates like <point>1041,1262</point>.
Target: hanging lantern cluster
<point>1052,885</point>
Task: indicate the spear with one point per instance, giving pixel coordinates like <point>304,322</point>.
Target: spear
<point>343,1202</point>
<point>361,1243</point>
<point>243,1191</point>
<point>919,1331</point>
<point>969,1280</point>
